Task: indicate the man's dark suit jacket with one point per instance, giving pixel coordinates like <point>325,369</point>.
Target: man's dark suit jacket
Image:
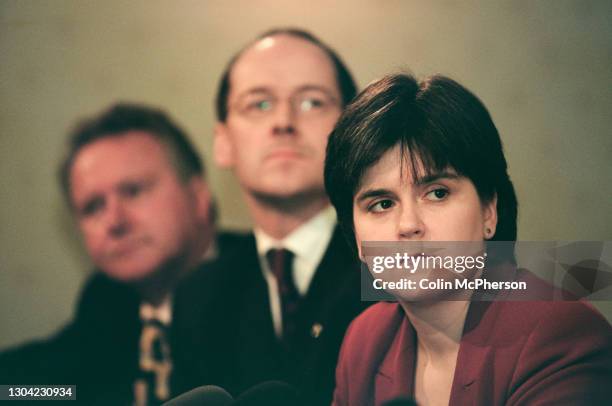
<point>224,332</point>
<point>511,353</point>
<point>98,351</point>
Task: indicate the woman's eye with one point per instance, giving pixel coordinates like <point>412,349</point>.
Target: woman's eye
<point>437,194</point>
<point>381,206</point>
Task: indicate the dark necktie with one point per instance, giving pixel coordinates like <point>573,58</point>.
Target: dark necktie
<point>152,386</point>
<point>281,265</point>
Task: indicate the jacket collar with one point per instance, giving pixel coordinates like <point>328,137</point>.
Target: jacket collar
<point>395,376</point>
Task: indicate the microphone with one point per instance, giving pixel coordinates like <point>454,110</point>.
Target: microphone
<point>209,395</point>
<point>271,393</point>
<point>400,402</point>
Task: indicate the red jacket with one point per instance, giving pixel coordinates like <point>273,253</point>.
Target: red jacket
<point>511,353</point>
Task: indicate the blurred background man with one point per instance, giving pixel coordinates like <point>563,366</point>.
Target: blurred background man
<point>135,186</point>
<point>295,285</point>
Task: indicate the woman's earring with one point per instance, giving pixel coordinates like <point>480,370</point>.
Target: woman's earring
<point>487,232</point>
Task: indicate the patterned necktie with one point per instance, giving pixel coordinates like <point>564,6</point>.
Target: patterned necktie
<point>152,386</point>
<point>281,265</point>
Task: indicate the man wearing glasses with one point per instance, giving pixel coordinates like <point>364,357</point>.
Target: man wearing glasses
<point>296,279</point>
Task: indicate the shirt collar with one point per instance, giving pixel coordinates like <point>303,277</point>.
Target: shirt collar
<point>308,241</point>
<point>161,312</point>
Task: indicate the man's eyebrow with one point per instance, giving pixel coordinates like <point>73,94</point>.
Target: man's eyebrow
<point>368,194</point>
<point>145,178</point>
<point>318,88</point>
<point>435,177</point>
<point>83,205</point>
<point>259,90</point>
<point>254,91</point>
<point>89,198</point>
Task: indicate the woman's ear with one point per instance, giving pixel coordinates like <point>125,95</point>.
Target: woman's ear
<point>490,217</point>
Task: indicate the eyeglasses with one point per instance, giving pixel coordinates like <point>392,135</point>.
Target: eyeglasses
<point>261,103</point>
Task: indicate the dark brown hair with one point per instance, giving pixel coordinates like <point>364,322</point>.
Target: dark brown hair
<point>438,123</point>
<point>124,117</point>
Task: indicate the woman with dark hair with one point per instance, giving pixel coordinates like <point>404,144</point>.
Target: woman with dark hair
<point>423,161</point>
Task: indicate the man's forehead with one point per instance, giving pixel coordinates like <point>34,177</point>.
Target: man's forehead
<point>282,63</point>
<point>134,144</point>
<point>111,159</point>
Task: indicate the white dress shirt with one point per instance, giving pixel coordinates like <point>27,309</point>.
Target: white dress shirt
<point>308,244</point>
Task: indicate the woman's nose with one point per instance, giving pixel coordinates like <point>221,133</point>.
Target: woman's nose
<point>410,224</point>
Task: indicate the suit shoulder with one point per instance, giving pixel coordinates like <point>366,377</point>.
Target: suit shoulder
<point>103,295</point>
<point>237,252</point>
<point>229,242</point>
<point>555,316</point>
<point>577,320</point>
<point>339,245</point>
<point>565,356</point>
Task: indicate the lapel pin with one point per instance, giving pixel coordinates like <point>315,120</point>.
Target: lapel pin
<point>316,330</point>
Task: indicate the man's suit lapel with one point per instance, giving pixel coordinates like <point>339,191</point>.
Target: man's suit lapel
<point>256,346</point>
<point>257,302</point>
<point>331,302</point>
<point>338,266</point>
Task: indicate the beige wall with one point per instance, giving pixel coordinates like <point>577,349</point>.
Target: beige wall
<point>542,68</point>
